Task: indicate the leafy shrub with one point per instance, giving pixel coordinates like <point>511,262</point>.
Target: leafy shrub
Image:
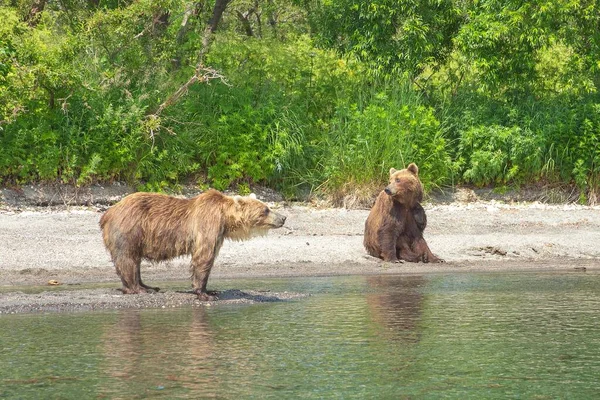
<point>498,154</point>
<point>586,152</point>
<point>264,126</point>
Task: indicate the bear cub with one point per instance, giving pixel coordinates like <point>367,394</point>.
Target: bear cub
<point>158,227</point>
<point>395,225</point>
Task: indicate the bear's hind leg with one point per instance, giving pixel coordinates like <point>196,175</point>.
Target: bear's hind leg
<point>203,259</point>
<point>409,255</point>
<point>423,250</point>
<point>142,284</point>
<point>153,288</point>
<point>128,270</point>
<point>405,251</point>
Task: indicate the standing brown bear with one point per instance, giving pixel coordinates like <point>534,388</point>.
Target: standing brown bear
<point>157,227</point>
<point>394,228</point>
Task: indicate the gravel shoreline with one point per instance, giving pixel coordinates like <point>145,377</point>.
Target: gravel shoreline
<point>39,245</point>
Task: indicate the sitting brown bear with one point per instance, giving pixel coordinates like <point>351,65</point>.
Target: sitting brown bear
<point>157,227</point>
<point>395,225</point>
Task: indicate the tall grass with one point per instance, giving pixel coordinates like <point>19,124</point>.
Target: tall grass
<point>387,125</point>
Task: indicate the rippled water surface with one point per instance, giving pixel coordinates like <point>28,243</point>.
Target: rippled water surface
<point>479,336</point>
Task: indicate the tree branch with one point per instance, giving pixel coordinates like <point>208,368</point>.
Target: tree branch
<point>202,73</point>
<point>245,20</point>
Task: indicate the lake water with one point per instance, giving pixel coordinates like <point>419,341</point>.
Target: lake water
<point>457,336</point>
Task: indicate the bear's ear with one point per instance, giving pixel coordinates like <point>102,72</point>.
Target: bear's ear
<point>412,167</point>
<point>237,198</point>
<point>252,196</point>
<point>393,171</point>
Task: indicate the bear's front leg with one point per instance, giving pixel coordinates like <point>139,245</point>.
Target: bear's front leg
<point>387,242</point>
<point>200,273</point>
<point>204,254</point>
<point>206,296</point>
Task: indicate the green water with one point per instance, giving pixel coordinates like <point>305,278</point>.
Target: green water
<point>458,336</point>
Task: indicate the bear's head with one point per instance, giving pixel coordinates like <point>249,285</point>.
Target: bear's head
<point>253,218</point>
<point>405,186</point>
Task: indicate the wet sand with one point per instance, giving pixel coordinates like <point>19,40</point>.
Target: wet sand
<point>63,244</point>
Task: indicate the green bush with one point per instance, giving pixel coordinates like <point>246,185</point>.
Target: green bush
<point>498,154</point>
<point>265,124</point>
<point>585,151</point>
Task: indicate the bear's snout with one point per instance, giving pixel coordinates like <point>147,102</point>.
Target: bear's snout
<point>279,220</point>
<point>275,220</point>
<point>388,191</point>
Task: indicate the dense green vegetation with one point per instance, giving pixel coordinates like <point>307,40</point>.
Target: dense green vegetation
<point>300,95</point>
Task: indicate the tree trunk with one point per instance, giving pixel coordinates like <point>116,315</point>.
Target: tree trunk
<point>160,22</point>
<point>220,6</point>
<point>202,73</point>
<point>191,9</point>
<point>272,17</point>
<point>218,10</point>
<point>33,17</point>
<point>245,20</point>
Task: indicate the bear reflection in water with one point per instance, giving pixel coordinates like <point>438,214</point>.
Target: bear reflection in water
<point>147,348</point>
<point>158,227</point>
<point>396,305</point>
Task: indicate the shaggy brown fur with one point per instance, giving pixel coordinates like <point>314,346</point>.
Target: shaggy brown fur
<point>395,225</point>
<point>158,227</point>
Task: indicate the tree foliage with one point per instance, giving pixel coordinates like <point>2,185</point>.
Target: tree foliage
<point>390,35</point>
<point>300,95</point>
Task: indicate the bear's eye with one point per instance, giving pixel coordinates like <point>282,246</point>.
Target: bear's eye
<point>397,180</point>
